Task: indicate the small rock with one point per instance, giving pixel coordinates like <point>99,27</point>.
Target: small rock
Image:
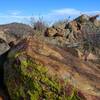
<point>50,32</point>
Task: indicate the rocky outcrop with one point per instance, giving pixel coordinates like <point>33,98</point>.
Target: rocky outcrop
<point>82,33</point>
<point>75,30</point>
<point>53,32</point>
<point>34,68</point>
<point>3,46</point>
<point>50,32</point>
<point>66,51</point>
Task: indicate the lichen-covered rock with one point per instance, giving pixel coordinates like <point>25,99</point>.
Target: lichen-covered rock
<point>27,80</point>
<point>36,71</point>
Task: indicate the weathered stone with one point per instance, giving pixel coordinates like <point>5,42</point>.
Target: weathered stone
<point>50,32</point>
<point>83,18</point>
<point>31,77</point>
<point>3,46</point>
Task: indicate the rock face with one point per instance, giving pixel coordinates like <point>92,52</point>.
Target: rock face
<point>82,34</point>
<point>75,30</point>
<point>3,46</point>
<point>50,32</point>
<point>34,69</point>
<point>53,32</point>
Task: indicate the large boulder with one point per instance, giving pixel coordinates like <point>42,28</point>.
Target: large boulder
<point>35,70</point>
<point>55,32</point>
<point>3,46</point>
<point>83,18</point>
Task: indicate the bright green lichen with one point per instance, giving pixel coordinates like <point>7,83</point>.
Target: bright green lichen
<point>30,81</point>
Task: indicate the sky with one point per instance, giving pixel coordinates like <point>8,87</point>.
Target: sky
<point>49,10</point>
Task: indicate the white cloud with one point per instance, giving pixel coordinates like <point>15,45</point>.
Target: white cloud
<point>67,11</point>
<point>15,15</point>
<point>92,12</point>
<point>14,12</point>
<point>72,12</point>
<point>64,13</point>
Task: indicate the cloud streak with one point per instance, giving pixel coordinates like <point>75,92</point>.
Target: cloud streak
<point>72,12</point>
<point>67,11</point>
<point>15,15</point>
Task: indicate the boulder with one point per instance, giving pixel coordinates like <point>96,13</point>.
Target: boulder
<point>50,32</point>
<point>82,19</point>
<point>53,32</point>
<point>60,32</point>
<point>3,46</point>
<point>36,70</point>
<point>74,26</point>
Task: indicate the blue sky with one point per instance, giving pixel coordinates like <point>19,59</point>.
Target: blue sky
<point>51,10</point>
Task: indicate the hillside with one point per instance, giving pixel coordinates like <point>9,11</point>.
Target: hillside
<point>17,29</point>
<point>60,62</point>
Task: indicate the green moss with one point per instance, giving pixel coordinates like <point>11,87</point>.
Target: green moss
<point>33,96</point>
<point>34,83</point>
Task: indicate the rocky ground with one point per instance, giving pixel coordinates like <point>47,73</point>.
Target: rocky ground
<point>68,53</point>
